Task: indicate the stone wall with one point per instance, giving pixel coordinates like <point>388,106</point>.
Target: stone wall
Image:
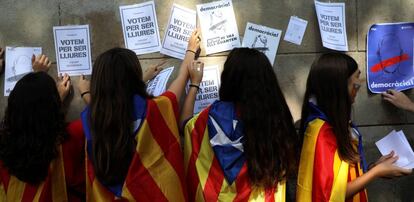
<point>30,22</point>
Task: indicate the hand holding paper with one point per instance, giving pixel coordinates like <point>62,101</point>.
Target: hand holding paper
<point>152,71</point>
<point>63,86</point>
<point>397,142</point>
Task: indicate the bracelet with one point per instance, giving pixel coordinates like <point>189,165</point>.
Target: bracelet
<point>191,51</point>
<point>195,86</point>
<point>84,93</point>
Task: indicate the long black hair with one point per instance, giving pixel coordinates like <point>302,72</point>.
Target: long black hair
<point>270,145</point>
<point>116,78</point>
<point>328,83</point>
<point>33,127</point>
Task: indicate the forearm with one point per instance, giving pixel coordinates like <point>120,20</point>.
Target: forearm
<point>360,183</point>
<point>177,86</point>
<point>188,108</point>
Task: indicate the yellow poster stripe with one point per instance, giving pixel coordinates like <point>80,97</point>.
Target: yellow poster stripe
<point>157,165</point>
<point>227,192</point>
<point>340,179</point>
<point>58,182</point>
<point>188,145</point>
<point>280,195</point>
<point>15,189</point>
<point>305,174</point>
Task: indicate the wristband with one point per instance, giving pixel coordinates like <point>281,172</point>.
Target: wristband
<point>195,86</point>
<point>191,51</point>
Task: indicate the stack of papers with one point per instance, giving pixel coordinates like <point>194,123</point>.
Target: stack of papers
<point>397,142</point>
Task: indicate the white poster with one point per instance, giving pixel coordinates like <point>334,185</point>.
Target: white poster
<point>209,88</point>
<point>18,64</point>
<point>218,26</point>
<point>397,142</point>
<point>295,30</point>
<point>139,24</point>
<point>264,39</point>
<point>331,19</point>
<point>181,24</point>
<point>158,85</point>
<point>73,50</point>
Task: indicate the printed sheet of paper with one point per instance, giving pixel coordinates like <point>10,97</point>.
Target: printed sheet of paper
<point>158,85</point>
<point>73,50</point>
<point>264,39</point>
<point>331,18</point>
<point>397,142</point>
<point>209,88</point>
<point>140,28</point>
<point>181,24</point>
<point>295,30</point>
<point>18,64</point>
<point>218,26</point>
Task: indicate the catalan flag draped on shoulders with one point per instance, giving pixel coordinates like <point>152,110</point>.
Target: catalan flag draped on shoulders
<point>156,172</point>
<point>323,176</point>
<point>64,182</point>
<point>216,168</point>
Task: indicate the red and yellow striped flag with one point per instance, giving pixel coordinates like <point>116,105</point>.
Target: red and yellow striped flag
<point>156,172</point>
<point>206,180</point>
<point>52,189</point>
<point>323,176</point>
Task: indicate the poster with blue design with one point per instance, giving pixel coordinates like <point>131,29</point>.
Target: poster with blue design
<point>390,57</point>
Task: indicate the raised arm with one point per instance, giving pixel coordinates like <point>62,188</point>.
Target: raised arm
<point>177,86</point>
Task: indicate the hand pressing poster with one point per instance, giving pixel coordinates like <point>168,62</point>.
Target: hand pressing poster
<point>264,39</point>
<point>158,85</point>
<point>140,28</point>
<point>180,26</point>
<point>390,57</point>
<point>209,88</point>
<point>73,51</point>
<point>18,64</point>
<point>331,19</point>
<point>218,26</point>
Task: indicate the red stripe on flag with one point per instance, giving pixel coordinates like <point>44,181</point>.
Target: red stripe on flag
<point>243,185</point>
<point>197,135</point>
<point>323,172</point>
<point>4,177</point>
<point>270,194</point>
<point>46,194</point>
<point>388,62</point>
<point>173,98</point>
<point>140,183</point>
<point>362,196</point>
<point>166,140</point>
<point>29,192</point>
<point>214,181</point>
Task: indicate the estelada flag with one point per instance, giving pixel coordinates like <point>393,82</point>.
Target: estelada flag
<point>323,175</point>
<point>215,164</point>
<point>156,172</point>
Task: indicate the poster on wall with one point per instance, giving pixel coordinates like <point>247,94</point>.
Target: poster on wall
<point>295,30</point>
<point>18,64</point>
<point>262,38</point>
<point>390,57</point>
<point>140,28</point>
<point>218,26</point>
<point>181,24</point>
<point>332,25</point>
<point>73,50</point>
<point>158,85</point>
<point>209,88</point>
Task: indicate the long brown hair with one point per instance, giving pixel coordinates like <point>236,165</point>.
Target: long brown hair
<point>116,78</point>
<point>328,83</point>
<point>270,146</point>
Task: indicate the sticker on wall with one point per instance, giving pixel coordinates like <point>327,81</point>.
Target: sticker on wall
<point>73,50</point>
<point>158,85</point>
<point>262,38</point>
<point>295,30</point>
<point>218,26</point>
<point>390,57</point>
<point>332,25</point>
<point>18,64</point>
<point>209,88</point>
<point>140,28</point>
<point>181,24</point>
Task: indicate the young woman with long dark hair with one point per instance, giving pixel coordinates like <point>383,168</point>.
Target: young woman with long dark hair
<point>40,155</point>
<point>243,146</point>
<point>332,164</point>
<point>133,147</point>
